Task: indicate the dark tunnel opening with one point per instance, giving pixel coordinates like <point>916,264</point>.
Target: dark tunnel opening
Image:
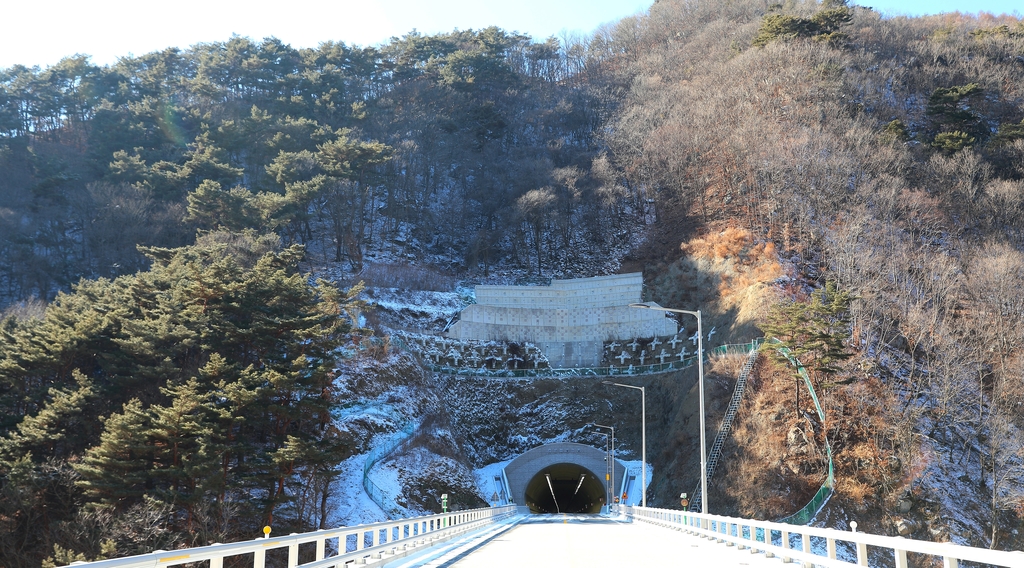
<point>565,488</point>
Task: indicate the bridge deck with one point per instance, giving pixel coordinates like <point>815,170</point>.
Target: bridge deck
<point>578,541</point>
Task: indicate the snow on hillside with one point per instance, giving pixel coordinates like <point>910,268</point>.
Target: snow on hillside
<point>349,504</point>
<point>416,310</point>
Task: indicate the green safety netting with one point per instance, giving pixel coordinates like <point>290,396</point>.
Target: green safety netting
<point>807,513</point>
<point>382,498</point>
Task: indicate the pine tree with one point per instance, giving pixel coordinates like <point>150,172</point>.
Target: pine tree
<point>74,336</point>
<point>226,352</point>
<point>830,307</point>
<point>57,429</point>
<point>187,445</point>
<point>210,207</point>
<point>956,126</point>
<point>208,162</point>
<point>812,332</point>
<point>788,323</point>
<point>115,473</point>
<point>1008,133</point>
<point>822,26</point>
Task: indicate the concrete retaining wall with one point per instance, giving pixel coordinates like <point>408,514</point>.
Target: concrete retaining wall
<point>577,293</point>
<point>568,319</point>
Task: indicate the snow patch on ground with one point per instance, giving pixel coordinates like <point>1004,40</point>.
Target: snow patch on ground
<point>413,309</point>
<point>950,484</point>
<point>486,483</point>
<point>387,476</point>
<point>349,505</point>
<point>370,413</point>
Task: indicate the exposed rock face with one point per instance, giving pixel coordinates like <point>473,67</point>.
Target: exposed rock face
<point>905,505</point>
<point>797,441</point>
<point>906,527</point>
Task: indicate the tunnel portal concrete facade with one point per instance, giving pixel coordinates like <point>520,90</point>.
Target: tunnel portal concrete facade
<point>569,320</point>
<point>521,470</point>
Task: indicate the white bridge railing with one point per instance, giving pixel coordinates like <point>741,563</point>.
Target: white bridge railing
<point>363,544</point>
<point>813,546</point>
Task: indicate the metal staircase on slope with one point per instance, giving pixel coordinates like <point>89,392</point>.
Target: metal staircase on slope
<point>723,431</point>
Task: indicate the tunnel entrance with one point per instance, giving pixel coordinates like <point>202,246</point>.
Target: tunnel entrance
<point>565,488</point>
<point>566,462</point>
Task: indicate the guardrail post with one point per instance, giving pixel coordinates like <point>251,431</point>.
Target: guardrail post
<point>293,552</point>
<point>785,545</point>
<point>948,562</point>
<point>862,548</point>
<point>321,547</point>
<point>830,544</point>
<point>217,562</point>
<point>805,542</point>
<point>259,558</point>
<point>900,557</point>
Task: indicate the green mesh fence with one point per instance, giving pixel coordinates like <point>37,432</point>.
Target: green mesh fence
<point>807,513</point>
<point>736,348</point>
<point>382,498</point>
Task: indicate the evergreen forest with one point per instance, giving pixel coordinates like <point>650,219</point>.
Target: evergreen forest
<point>183,235</point>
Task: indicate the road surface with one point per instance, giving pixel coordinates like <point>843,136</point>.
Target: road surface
<point>570,541</point>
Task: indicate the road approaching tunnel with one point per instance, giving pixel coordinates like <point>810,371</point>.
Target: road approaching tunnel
<point>562,477</point>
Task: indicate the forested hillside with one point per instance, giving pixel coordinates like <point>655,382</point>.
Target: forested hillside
<point>885,155</point>
<point>169,373</point>
<point>459,148</point>
<point>161,217</point>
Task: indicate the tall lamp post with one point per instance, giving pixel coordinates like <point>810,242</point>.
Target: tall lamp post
<point>643,437</point>
<point>611,484</point>
<point>700,374</point>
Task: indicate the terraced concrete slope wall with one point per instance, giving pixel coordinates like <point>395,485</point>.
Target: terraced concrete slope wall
<point>569,320</point>
<point>597,292</point>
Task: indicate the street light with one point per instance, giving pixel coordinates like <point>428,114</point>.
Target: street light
<point>700,374</point>
<point>643,437</point>
<point>611,484</point>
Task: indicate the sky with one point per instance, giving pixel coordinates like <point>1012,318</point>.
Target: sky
<point>41,32</point>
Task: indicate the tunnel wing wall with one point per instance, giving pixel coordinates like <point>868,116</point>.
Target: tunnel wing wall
<point>520,470</point>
